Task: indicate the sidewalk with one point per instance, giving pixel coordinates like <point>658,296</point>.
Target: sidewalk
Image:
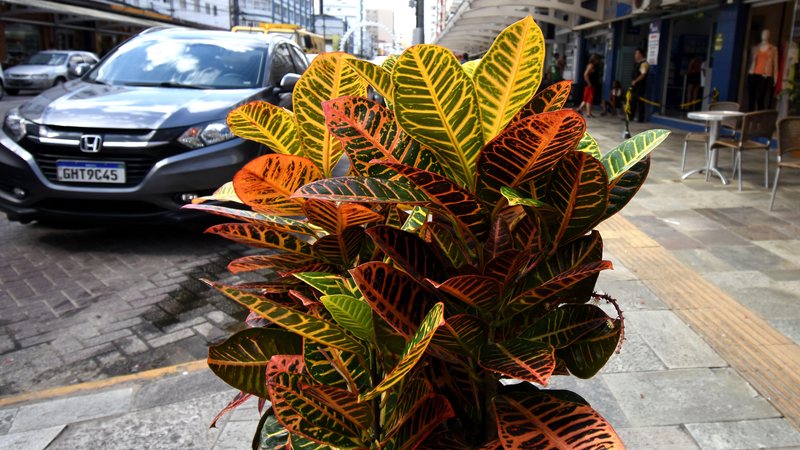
<point>681,380</point>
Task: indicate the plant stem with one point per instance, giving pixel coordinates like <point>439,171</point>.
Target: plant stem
<point>376,402</point>
<point>489,414</point>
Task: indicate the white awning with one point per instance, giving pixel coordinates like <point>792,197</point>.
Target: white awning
<point>61,8</point>
<point>474,24</point>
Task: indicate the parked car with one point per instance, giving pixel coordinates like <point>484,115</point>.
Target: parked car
<point>46,69</point>
<point>2,83</point>
<point>145,130</point>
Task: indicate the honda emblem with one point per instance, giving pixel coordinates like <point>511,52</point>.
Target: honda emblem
<point>90,143</point>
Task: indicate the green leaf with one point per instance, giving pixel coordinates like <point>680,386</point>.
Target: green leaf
<point>461,206</point>
<point>579,192</point>
<point>586,356</point>
<point>327,283</point>
<point>470,66</point>
<point>271,434</point>
<point>509,74</point>
<point>563,326</point>
<point>242,359</point>
<point>436,103</point>
<point>377,77</point>
<point>326,78</point>
<point>627,154</point>
<point>352,314</point>
<point>520,358</point>
<point>362,190</point>
<point>590,146</point>
<point>394,295</point>
<point>555,287</point>
<point>584,250</point>
<point>449,244</point>
<point>416,219</point>
<point>551,98</point>
<point>413,352</point>
<point>545,421</point>
<point>262,236</point>
<point>622,189</point>
<point>526,152</point>
<point>267,124</point>
<point>335,368</point>
<point>310,327</point>
<point>515,197</point>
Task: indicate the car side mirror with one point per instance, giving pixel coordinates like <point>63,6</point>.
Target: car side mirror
<point>288,82</point>
<point>80,69</point>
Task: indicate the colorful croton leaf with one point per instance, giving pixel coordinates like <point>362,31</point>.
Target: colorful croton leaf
<point>386,306</point>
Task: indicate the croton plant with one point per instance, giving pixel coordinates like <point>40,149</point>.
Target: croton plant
<point>426,299</point>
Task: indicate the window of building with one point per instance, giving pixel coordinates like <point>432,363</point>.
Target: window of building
<point>196,5</point>
<point>215,10</point>
<point>183,4</point>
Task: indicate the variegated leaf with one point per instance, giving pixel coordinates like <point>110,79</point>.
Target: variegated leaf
<point>509,74</point>
<point>622,189</point>
<point>262,236</point>
<point>526,152</point>
<point>298,322</point>
<point>275,222</point>
<point>586,356</point>
<point>409,252</point>
<point>267,183</point>
<point>326,283</point>
<point>540,420</point>
<point>455,382</point>
<point>448,244</point>
<point>340,249</point>
<point>327,77</point>
<point>590,146</point>
<point>579,192</point>
<point>389,62</point>
<point>563,326</point>
<point>413,352</point>
<point>551,98</point>
<point>416,219</point>
<point>627,154</point>
<point>520,358</point>
<point>363,190</point>
<point>476,291</point>
<point>335,368</point>
<point>224,193</point>
<point>436,103</point>
<point>470,66</point>
<point>514,197</point>
<point>322,413</point>
<point>237,401</point>
<point>354,315</point>
<point>267,124</point>
<point>419,422</point>
<point>271,434</point>
<point>461,206</point>
<point>556,286</point>
<point>242,359</point>
<point>462,335</point>
<point>507,266</point>
<point>335,218</point>
<point>278,261</point>
<point>394,295</point>
<point>368,131</point>
<point>377,77</point>
<point>499,239</point>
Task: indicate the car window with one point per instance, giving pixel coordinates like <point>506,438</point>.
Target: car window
<point>299,60</point>
<point>280,64</point>
<point>89,59</point>
<point>48,59</point>
<point>184,63</point>
<point>74,60</point>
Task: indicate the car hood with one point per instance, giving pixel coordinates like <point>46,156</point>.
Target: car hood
<point>82,104</point>
<point>32,69</point>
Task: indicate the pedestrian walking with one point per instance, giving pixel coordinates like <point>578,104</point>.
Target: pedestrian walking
<point>638,84</point>
<point>591,77</point>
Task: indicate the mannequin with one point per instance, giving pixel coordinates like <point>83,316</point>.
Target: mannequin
<point>762,73</point>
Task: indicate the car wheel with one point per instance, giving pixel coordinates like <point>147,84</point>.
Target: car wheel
<point>12,91</point>
<point>59,81</point>
<point>2,91</point>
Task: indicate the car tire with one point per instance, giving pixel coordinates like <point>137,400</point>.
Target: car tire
<point>12,91</point>
<point>2,91</point>
<point>59,81</point>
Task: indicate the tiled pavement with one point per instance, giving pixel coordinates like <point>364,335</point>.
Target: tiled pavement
<point>666,389</point>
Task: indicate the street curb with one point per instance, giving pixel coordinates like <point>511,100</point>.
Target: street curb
<point>63,391</point>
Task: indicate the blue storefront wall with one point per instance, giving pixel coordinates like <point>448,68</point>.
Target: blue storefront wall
<point>727,61</point>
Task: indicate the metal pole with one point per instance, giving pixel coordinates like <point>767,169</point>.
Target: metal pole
<point>234,13</point>
<point>419,31</point>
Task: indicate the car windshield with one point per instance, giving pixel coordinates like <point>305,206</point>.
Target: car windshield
<point>47,59</point>
<point>184,63</point>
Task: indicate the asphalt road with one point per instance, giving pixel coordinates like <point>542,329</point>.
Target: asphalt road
<point>84,303</point>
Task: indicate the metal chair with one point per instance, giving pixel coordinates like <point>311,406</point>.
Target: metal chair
<point>755,134</point>
<point>788,145</point>
<point>702,137</point>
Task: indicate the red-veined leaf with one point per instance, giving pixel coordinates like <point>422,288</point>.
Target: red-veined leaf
<point>444,237</point>
<point>586,356</point>
<point>294,364</point>
<point>363,190</point>
<point>336,368</point>
<point>335,218</point>
<point>583,250</point>
<point>279,261</point>
<point>460,335</point>
<point>566,324</point>
<point>261,236</point>
<point>275,222</point>
<point>475,291</point>
<point>499,239</point>
<point>553,288</point>
<point>520,358</point>
<point>551,98</point>
<point>540,420</point>
<point>409,252</point>
<point>267,183</point>
<point>326,283</point>
<point>340,249</point>
<point>237,401</point>
<point>420,421</point>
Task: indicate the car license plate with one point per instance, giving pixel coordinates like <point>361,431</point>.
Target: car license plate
<point>90,171</point>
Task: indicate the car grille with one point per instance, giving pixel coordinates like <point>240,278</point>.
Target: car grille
<point>136,166</point>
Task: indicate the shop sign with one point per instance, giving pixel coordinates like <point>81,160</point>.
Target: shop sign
<point>652,42</point>
<point>718,42</point>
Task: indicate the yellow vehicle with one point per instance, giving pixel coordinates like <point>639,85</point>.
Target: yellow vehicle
<point>308,41</point>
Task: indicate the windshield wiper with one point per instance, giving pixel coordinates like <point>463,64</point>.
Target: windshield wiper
<point>168,84</point>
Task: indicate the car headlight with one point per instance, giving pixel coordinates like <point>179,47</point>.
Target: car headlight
<point>15,125</point>
<point>40,75</point>
<point>208,134</point>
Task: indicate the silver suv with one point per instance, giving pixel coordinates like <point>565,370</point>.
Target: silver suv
<point>47,69</point>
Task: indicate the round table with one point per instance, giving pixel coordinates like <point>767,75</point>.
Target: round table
<point>713,118</point>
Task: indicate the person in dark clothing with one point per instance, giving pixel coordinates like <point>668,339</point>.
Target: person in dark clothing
<point>638,84</point>
<point>591,78</point>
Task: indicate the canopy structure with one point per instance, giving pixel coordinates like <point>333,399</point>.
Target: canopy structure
<point>472,25</point>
